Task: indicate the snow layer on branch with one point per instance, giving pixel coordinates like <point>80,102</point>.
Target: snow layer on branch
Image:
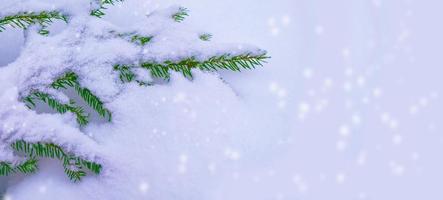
<point>166,142</point>
<point>176,41</point>
<point>160,135</point>
<point>11,7</point>
<point>20,123</point>
<point>90,47</point>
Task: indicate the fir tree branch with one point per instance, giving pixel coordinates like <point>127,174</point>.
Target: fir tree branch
<point>28,167</point>
<point>6,169</point>
<point>94,102</point>
<point>82,117</point>
<point>224,62</point>
<point>73,165</point>
<point>26,19</point>
<point>74,175</point>
<point>70,79</point>
<point>157,70</point>
<point>91,166</point>
<point>181,14</point>
<point>126,75</point>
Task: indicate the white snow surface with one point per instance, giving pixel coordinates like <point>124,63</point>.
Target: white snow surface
<point>20,123</point>
<point>174,134</point>
<point>11,7</point>
<point>166,135</point>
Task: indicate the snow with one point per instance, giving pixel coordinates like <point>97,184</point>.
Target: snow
<point>19,123</point>
<point>347,108</point>
<point>166,135</point>
<point>9,7</point>
<point>180,114</point>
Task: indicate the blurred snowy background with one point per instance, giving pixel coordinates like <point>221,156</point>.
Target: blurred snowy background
<point>352,94</point>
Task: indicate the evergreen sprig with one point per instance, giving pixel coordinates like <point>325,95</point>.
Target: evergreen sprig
<point>28,167</point>
<point>26,19</point>
<point>73,166</point>
<point>125,73</point>
<point>82,117</point>
<point>205,37</point>
<point>181,14</point>
<point>70,79</point>
<point>224,62</point>
<point>100,11</point>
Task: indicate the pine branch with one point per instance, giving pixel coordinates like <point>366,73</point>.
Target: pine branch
<point>82,117</point>
<point>26,19</point>
<point>28,167</point>
<point>6,169</point>
<point>39,150</point>
<point>91,166</point>
<point>74,175</point>
<point>100,11</point>
<point>224,62</point>
<point>157,70</point>
<point>72,165</point>
<point>94,102</point>
<point>70,79</point>
<point>181,14</point>
<point>126,75</point>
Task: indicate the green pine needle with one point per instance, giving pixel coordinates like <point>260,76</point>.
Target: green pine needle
<point>99,12</point>
<point>66,81</point>
<point>82,117</point>
<point>26,19</point>
<point>94,102</point>
<point>205,37</point>
<point>224,62</point>
<point>92,166</point>
<point>181,14</point>
<point>6,169</point>
<point>28,167</point>
<point>126,75</point>
<point>73,165</point>
<point>157,70</point>
<point>75,175</point>
<point>70,79</point>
